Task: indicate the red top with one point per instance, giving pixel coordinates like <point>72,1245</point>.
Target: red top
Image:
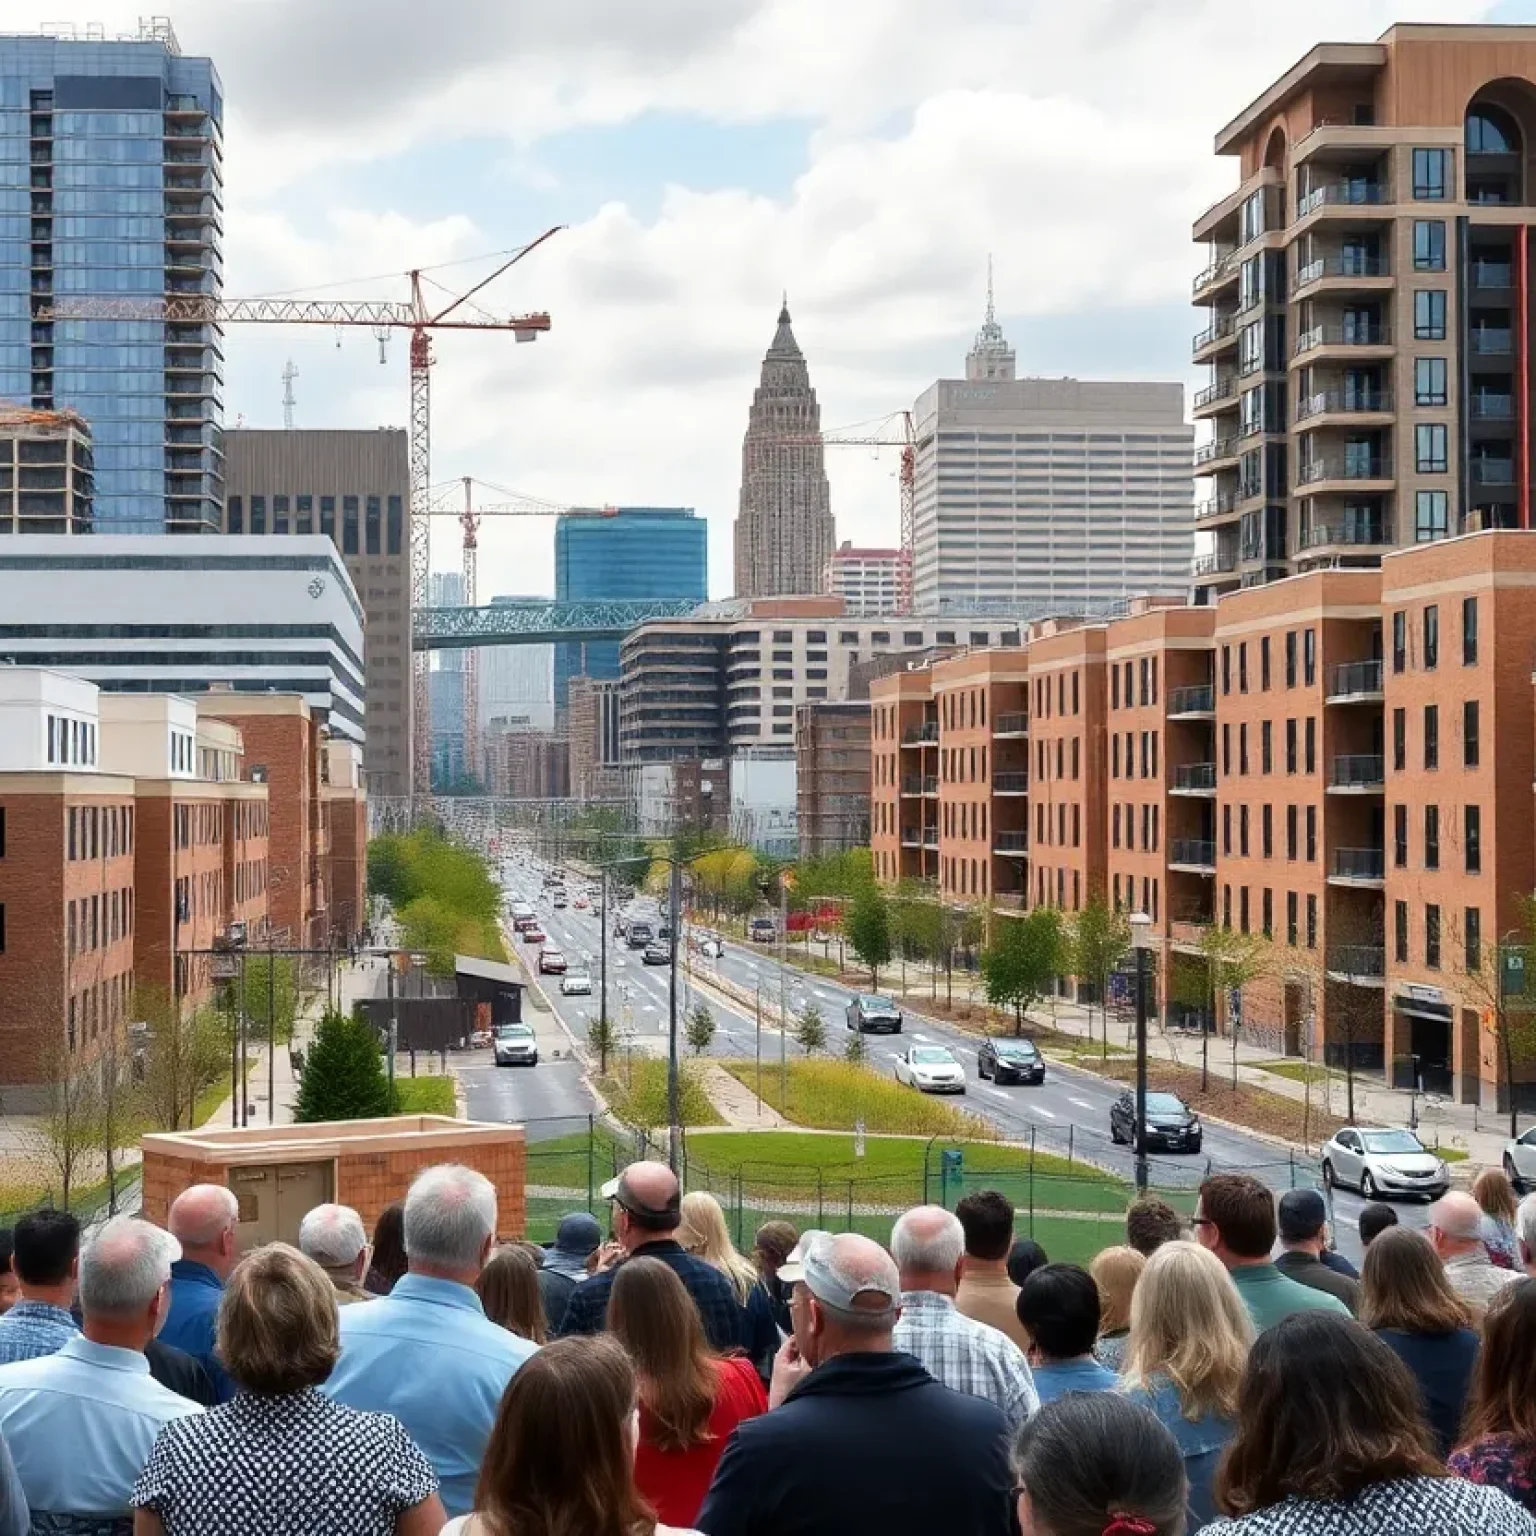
<point>674,1482</point>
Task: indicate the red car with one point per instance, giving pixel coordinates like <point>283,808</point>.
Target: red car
<point>534,935</point>
<point>551,963</point>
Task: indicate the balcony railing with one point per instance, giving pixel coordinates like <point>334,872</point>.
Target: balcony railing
<point>1341,266</point>
<point>1015,723</point>
<point>912,784</point>
<point>1195,776</point>
<point>1010,783</point>
<point>1222,389</point>
<point>1192,851</point>
<point>1354,677</point>
<point>1343,336</point>
<point>1223,325</point>
<point>1216,506</point>
<point>1490,471</point>
<point>915,734</point>
<point>931,838</point>
<point>1492,274</point>
<point>1345,192</point>
<point>1327,468</point>
<point>1334,402</point>
<point>1487,407</point>
<point>1211,565</point>
<point>911,837</point>
<point>1200,700</point>
<point>1013,900</point>
<point>1360,863</point>
<point>1011,842</point>
<point>1366,532</point>
<point>1224,267</point>
<point>930,783</point>
<point>1368,960</point>
<point>1218,448</point>
<point>1359,770</point>
<point>1493,340</point>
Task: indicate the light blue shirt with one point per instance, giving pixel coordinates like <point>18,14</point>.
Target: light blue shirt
<point>428,1354</point>
<point>81,1424</point>
<point>1062,1376</point>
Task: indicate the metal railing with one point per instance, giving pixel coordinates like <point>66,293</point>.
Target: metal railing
<point>1222,389</point>
<point>1216,506</point>
<point>1329,402</point>
<point>1343,336</point>
<point>1224,325</point>
<point>1368,960</point>
<point>1012,783</point>
<point>930,783</point>
<point>1193,851</point>
<point>1011,842</point>
<point>1354,677</point>
<point>1200,700</point>
<point>920,734</point>
<point>1015,723</point>
<point>1210,565</point>
<point>1328,468</point>
<point>1195,776</point>
<point>1491,274</point>
<point>1218,448</point>
<point>1224,266</point>
<point>912,784</point>
<point>1353,193</point>
<point>1359,770</point>
<point>1356,532</point>
<point>931,838</point>
<point>1360,863</point>
<point>1341,265</point>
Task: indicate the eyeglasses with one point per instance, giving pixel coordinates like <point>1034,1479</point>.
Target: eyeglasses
<point>1200,1221</point>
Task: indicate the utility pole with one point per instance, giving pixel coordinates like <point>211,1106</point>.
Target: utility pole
<point>394,1024</point>
<point>271,1031</point>
<point>674,1105</point>
<point>237,1048</point>
<point>783,1009</point>
<point>602,940</point>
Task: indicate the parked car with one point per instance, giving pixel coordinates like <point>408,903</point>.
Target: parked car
<point>516,1046</point>
<point>551,962</point>
<point>761,930</point>
<point>656,954</point>
<point>930,1068</point>
<point>533,934</point>
<point>1381,1161</point>
<point>576,984</point>
<point>869,1012</point>
<point>1010,1061</point>
<point>1172,1126</point>
<point>1520,1161</point>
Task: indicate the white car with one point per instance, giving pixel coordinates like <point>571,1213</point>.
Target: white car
<point>1381,1160</point>
<point>576,984</point>
<point>1520,1161</point>
<point>931,1068</point>
<point>516,1046</point>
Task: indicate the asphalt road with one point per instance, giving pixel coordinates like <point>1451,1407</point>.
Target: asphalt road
<point>1069,1112</point>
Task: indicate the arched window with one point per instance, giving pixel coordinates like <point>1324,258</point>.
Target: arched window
<point>1491,132</point>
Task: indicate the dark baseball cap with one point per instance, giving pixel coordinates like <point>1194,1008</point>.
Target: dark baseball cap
<point>578,1234</point>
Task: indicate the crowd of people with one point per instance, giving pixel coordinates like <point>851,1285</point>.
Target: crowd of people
<point>1224,1370</point>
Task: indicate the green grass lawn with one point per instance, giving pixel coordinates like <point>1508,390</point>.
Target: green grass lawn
<point>424,1096</point>
<point>1299,1071</point>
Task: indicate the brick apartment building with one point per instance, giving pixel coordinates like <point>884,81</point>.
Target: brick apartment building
<point>832,756</point>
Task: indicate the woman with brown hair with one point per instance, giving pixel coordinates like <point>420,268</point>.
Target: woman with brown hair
<point>1498,1447</point>
<point>388,1261</point>
<point>690,1399</point>
<point>1329,1443</point>
<point>508,1288</point>
<point>1495,1197</point>
<point>1406,1299</point>
<point>1115,1271</point>
<point>560,1461</point>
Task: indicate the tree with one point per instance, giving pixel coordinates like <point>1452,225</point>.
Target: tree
<point>1024,957</point>
<point>1228,961</point>
<point>185,1053</point>
<point>810,1029</point>
<point>271,994</point>
<point>1101,939</point>
<point>344,1076</point>
<point>701,1028</point>
<point>68,1128</point>
<point>856,1051</point>
<point>602,1037</point>
<point>868,925</point>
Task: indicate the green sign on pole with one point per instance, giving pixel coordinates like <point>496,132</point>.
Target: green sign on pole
<point>1511,972</point>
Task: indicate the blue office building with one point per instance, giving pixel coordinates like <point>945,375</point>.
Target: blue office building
<point>111,217</point>
<point>641,552</point>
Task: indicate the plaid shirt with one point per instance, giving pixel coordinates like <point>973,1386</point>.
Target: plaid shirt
<point>32,1329</point>
<point>965,1355</point>
<point>723,1316</point>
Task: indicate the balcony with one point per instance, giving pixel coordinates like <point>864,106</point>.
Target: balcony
<point>1188,934</point>
<point>1492,341</point>
<point>1012,724</point>
<point>1218,271</point>
<point>1351,403</point>
<point>1222,327</point>
<point>1492,471</point>
<point>1363,964</point>
<point>1360,773</point>
<point>911,837</point>
<point>1353,533</point>
<point>921,735</point>
<point>1215,394</point>
<point>1358,866</point>
<point>930,785</point>
<point>1341,267</point>
<point>1194,779</point>
<point>1350,470</point>
<point>1342,194</point>
<point>1010,783</point>
<point>1222,561</point>
<point>1197,703</point>
<point>1193,855</point>
<point>1011,843</point>
<point>1347,337</point>
<point>931,837</point>
<point>1493,407</point>
<point>911,785</point>
<point>1491,274</point>
<point>1219,448</point>
<point>1355,682</point>
<point>1009,901</point>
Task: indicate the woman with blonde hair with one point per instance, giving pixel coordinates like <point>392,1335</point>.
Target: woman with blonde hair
<point>508,1288</point>
<point>705,1235</point>
<point>1115,1271</point>
<point>1184,1358</point>
<point>1495,1197</point>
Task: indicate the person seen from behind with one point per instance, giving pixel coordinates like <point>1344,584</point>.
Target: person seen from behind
<point>204,1220</point>
<point>706,1236</point>
<point>281,1458</point>
<point>1024,1258</point>
<point>1456,1231</point>
<point>987,1292</point>
<point>10,1292</point>
<point>1094,1464</point>
<point>1525,1234</point>
<point>45,1258</point>
<point>561,1458</point>
<point>1303,1225</point>
<point>1497,1446</point>
<point>1059,1308</point>
<point>1116,1272</point>
<point>1374,1220</point>
<point>1149,1223</point>
<point>1496,1199</point>
<point>1330,1440</point>
<point>508,1288</point>
<point>387,1261</point>
<point>1406,1298</point>
<point>1189,1342</point>
<point>771,1247</point>
<point>690,1398</point>
<point>335,1238</point>
<point>564,1264</point>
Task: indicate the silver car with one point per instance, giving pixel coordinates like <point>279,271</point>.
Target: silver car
<point>1381,1161</point>
<point>931,1068</point>
<point>1520,1161</point>
<point>516,1045</point>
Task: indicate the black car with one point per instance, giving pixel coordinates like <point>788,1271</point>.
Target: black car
<point>1010,1061</point>
<point>656,954</point>
<point>1172,1126</point>
<point>869,1012</point>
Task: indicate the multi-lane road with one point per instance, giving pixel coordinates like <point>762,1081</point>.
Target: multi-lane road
<point>1069,1110</point>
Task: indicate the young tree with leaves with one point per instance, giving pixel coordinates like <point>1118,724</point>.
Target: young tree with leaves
<point>810,1029</point>
<point>700,1028</point>
<point>344,1075</point>
<point>69,1128</point>
<point>1231,960</point>
<point>1101,939</point>
<point>602,1037</point>
<point>185,1053</point>
<point>1024,958</point>
<point>868,925</point>
<point>856,1052</point>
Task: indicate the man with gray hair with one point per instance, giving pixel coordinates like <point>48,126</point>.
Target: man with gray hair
<point>203,1220</point>
<point>1456,1230</point>
<point>81,1423</point>
<point>333,1236</point>
<point>427,1353</point>
<point>928,1245</point>
<point>865,1427</point>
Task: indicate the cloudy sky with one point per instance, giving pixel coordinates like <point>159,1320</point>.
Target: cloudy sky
<point>703,155</point>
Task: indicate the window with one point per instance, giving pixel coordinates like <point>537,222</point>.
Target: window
<point>1226,749</point>
<point>1268,908</point>
<point>1429,381</point>
<point>1469,631</point>
<point>1431,517</point>
<point>1399,740</point>
<point>1226,831</point>
<point>1290,832</point>
<point>1400,836</point>
<point>1311,834</point>
<point>1226,669</point>
<point>1429,245</point>
<point>235,522</point>
<point>1290,918</point>
<point>1242,908</point>
<point>1431,735</point>
<point>1311,922</point>
<point>1432,937</point>
<point>1431,837</point>
<point>1400,931</point>
<point>1266,746</point>
<point>1290,746</point>
<point>1470,746</point>
<point>349,525</point>
<point>1267,831</point>
<point>258,514</point>
<point>1399,641</point>
<point>1114,688</point>
<point>1242,667</point>
<point>1474,935</point>
<point>1431,637</point>
<point>1290,658</point>
<point>1264,663</point>
<point>1311,740</point>
<point>1242,831</point>
<point>1429,314</point>
<point>1431,175</point>
<point>394,525</point>
<point>1429,444</point>
<point>1242,748</point>
<point>1309,657</point>
<point>1472,838</point>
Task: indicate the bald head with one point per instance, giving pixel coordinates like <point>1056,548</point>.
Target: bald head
<point>866,1270</point>
<point>929,1248</point>
<point>1455,1224</point>
<point>648,1204</point>
<point>852,1285</point>
<point>203,1220</point>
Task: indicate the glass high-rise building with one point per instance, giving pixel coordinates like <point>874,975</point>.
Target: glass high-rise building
<point>111,198</point>
<point>641,552</point>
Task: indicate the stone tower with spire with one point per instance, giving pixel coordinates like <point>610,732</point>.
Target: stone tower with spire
<point>990,357</point>
<point>784,530</point>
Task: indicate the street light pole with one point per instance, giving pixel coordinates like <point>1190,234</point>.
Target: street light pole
<point>1140,924</point>
<point>783,1009</point>
<point>674,1105</point>
<point>602,940</point>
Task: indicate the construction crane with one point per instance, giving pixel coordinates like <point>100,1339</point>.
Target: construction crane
<point>469,516</point>
<point>893,431</point>
<point>417,316</point>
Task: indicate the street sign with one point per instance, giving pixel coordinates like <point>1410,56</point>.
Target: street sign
<point>1511,972</point>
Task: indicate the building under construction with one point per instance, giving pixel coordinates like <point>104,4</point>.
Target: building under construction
<point>47,477</point>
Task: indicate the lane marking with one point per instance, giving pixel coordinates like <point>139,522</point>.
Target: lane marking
<point>923,1038</point>
<point>1036,1109</point>
<point>1081,1103</point>
<point>997,1093</point>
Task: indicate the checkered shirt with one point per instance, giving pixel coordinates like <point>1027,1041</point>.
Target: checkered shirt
<point>965,1355</point>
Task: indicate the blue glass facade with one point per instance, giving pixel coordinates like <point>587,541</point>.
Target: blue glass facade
<point>643,552</point>
<point>111,192</point>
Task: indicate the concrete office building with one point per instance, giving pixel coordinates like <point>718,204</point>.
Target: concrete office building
<point>46,472</point>
<point>111,178</point>
<point>592,727</point>
<point>1363,303</point>
<point>1047,496</point>
<point>871,582</point>
<point>354,488</point>
<point>153,615</point>
<point>784,530</point>
<point>517,682</point>
<point>445,691</point>
<point>630,552</point>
